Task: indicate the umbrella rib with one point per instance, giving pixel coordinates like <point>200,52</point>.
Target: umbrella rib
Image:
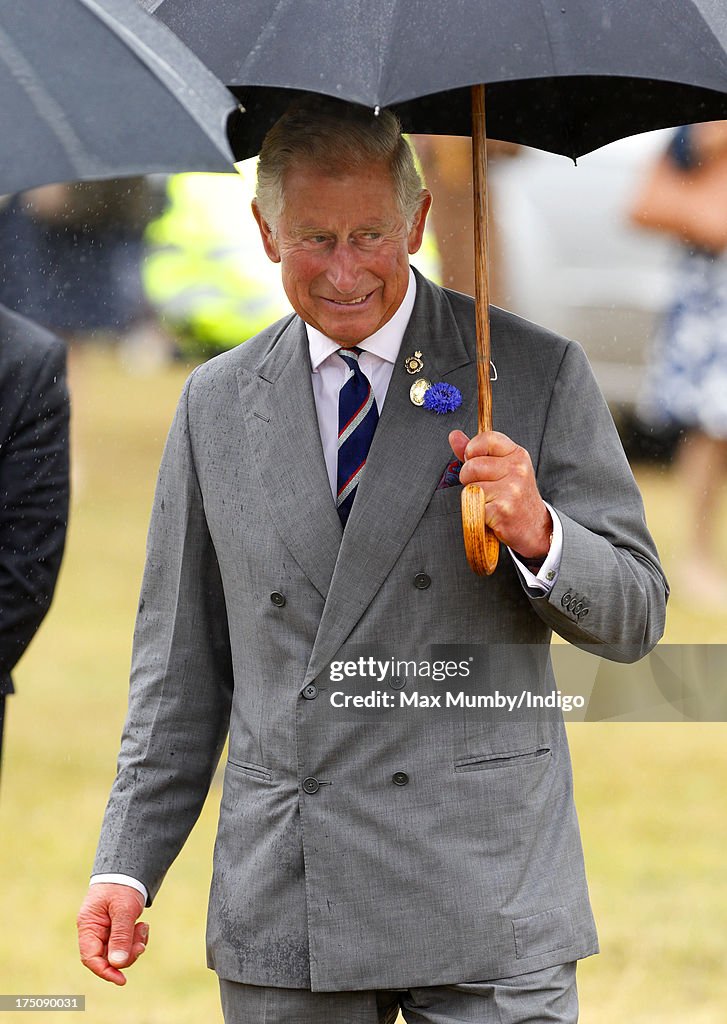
<point>138,46</point>
<point>556,79</point>
<point>387,35</point>
<point>50,112</point>
<point>162,68</point>
<point>270,29</point>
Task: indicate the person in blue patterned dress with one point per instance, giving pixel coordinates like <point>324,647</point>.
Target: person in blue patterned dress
<point>686,383</point>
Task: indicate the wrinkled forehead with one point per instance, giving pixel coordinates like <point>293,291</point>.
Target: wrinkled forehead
<point>342,177</point>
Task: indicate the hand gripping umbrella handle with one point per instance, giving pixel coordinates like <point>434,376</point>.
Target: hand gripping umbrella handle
<point>481,545</point>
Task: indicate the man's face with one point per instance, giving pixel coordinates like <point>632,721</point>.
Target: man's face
<point>343,246</point>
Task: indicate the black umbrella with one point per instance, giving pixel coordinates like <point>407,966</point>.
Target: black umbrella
<point>566,76</point>
<point>98,89</point>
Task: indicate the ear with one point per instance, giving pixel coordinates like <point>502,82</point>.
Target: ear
<point>416,232</point>
<point>266,233</point>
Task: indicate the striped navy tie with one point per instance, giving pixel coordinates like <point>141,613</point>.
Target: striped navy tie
<point>357,419</point>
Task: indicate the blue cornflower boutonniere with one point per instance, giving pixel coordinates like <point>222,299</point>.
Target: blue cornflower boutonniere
<point>442,398</point>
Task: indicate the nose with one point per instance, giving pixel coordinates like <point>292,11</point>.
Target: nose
<point>343,269</point>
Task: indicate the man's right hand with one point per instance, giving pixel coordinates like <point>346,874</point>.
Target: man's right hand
<point>109,935</point>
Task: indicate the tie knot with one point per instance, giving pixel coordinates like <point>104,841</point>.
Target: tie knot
<point>349,353</point>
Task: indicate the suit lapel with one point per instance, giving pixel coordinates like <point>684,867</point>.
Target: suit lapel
<point>408,455</point>
<point>279,408</point>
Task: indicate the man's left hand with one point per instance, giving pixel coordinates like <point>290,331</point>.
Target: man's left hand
<point>515,511</point>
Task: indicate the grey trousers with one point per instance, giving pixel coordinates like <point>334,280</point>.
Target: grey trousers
<point>541,997</point>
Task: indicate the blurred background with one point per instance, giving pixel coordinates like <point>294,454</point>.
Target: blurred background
<point>144,278</point>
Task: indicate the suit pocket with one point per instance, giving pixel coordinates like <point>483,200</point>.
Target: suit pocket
<point>253,771</point>
<point>494,762</point>
<point>444,501</point>
<point>509,674</point>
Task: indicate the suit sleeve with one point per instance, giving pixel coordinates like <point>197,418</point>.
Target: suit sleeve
<point>181,680</point>
<point>33,503</point>
<point>610,593</point>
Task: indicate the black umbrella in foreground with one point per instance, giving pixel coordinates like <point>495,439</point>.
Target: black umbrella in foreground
<point>98,89</point>
<point>566,76</point>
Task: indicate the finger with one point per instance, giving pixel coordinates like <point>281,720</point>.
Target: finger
<point>139,941</point>
<point>123,919</point>
<point>120,953</point>
<point>137,950</point>
<point>458,442</point>
<point>490,442</point>
<point>483,469</point>
<point>92,947</point>
<point>102,969</point>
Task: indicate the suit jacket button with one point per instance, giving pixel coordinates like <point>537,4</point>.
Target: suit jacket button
<point>311,786</point>
<point>422,581</point>
<point>400,778</point>
<point>277,599</point>
<point>310,692</point>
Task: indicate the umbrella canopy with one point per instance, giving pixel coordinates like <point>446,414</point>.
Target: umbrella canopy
<point>98,89</point>
<point>565,76</point>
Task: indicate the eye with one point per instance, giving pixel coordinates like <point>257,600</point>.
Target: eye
<point>315,240</point>
<point>367,238</point>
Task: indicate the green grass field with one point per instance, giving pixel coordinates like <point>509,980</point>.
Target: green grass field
<point>651,797</point>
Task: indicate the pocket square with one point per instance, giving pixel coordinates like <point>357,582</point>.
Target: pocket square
<point>450,476</point>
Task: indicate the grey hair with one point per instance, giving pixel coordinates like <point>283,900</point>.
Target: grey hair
<point>335,136</point>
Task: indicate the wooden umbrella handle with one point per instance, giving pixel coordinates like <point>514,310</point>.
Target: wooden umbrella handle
<point>481,545</point>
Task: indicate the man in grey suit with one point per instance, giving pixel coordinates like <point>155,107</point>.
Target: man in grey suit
<point>410,860</point>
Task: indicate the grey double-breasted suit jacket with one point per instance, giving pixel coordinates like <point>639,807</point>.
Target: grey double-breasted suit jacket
<point>471,870</point>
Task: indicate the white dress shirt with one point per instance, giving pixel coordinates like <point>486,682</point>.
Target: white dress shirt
<point>328,372</point>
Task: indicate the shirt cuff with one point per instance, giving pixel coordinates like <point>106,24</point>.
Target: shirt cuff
<point>548,573</point>
<point>122,880</point>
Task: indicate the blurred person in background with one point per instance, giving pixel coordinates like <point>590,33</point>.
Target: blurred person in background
<point>34,415</point>
<point>685,196</point>
<point>447,166</point>
<point>70,258</point>
<point>202,272</point>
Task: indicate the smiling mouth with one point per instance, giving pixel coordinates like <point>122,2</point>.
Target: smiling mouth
<point>350,302</point>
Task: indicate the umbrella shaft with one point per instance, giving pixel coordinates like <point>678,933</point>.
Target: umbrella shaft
<point>482,287</point>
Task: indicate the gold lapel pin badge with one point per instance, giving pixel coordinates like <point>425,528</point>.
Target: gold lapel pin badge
<point>414,364</point>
